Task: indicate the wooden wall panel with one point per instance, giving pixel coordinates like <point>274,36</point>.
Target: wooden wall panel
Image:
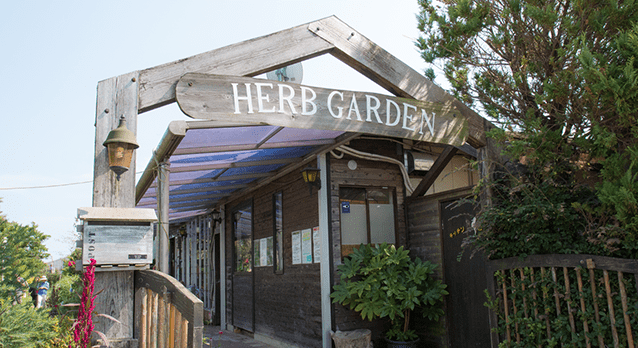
<point>368,173</point>
<point>424,235</point>
<point>287,306</point>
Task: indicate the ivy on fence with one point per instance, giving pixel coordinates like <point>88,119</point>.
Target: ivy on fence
<point>566,306</point>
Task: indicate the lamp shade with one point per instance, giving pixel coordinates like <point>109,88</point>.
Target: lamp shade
<point>310,174</point>
<point>120,144</point>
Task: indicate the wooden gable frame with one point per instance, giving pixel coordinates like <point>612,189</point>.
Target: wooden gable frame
<point>144,90</point>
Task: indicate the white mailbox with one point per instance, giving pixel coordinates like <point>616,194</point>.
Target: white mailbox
<point>117,236</point>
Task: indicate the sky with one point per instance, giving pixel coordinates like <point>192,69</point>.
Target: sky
<point>55,52</point>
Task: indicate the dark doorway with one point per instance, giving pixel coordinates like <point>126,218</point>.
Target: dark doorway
<point>243,303</point>
<point>467,318</point>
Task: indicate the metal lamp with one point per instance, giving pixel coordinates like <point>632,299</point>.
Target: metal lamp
<point>120,144</point>
<point>311,177</point>
<point>217,216</point>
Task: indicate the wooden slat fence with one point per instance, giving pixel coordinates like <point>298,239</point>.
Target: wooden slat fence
<point>563,301</point>
<point>167,315</point>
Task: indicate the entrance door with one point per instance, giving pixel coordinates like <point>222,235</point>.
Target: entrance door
<point>467,317</point>
<point>243,304</point>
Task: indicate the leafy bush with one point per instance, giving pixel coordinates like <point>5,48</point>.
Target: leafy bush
<point>22,326</point>
<point>382,281</point>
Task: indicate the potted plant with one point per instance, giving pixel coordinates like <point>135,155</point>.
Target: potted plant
<point>383,281</point>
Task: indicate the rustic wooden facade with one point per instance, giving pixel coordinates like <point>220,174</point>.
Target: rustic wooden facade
<point>284,307</point>
<point>289,305</point>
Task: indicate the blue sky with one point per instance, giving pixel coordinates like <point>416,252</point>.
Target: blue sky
<point>55,53</point>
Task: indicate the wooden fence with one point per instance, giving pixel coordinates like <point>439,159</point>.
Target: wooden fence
<point>167,315</point>
<point>563,300</point>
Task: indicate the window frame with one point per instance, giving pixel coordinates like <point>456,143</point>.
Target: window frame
<point>393,194</point>
<point>247,205</point>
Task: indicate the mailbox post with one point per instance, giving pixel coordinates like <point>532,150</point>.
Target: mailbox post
<point>117,238</point>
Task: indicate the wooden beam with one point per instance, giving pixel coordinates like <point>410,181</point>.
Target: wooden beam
<point>434,172</point>
<point>389,72</point>
<point>179,191</point>
<point>242,147</point>
<point>115,97</point>
<point>222,165</point>
<point>209,180</point>
<point>248,58</point>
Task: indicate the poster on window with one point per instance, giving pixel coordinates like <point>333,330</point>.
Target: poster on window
<point>263,252</point>
<point>306,246</point>
<point>316,242</point>
<point>296,247</point>
<point>257,250</point>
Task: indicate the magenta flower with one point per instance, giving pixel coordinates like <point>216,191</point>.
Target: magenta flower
<point>83,327</point>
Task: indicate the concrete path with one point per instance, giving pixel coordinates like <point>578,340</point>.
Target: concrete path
<point>229,339</point>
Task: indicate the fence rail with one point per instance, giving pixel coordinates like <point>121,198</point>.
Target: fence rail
<point>166,313</point>
<point>563,299</point>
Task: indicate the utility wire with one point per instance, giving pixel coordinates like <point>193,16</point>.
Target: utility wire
<point>49,186</point>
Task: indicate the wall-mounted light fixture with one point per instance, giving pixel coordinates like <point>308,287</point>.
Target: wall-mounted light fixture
<point>120,144</point>
<point>237,216</point>
<point>217,216</point>
<point>311,177</point>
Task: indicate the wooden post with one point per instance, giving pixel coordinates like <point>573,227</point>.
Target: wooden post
<point>115,97</point>
<point>326,257</point>
<point>222,268</point>
<point>162,207</point>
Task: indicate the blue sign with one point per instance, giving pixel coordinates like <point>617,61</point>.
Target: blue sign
<point>345,207</point>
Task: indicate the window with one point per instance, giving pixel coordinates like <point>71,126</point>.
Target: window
<point>367,217</point>
<point>242,238</point>
<point>278,232</point>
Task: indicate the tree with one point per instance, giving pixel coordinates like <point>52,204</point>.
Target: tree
<point>21,254</point>
<point>559,78</point>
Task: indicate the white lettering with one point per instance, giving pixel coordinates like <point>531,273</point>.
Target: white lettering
<point>372,109</point>
<point>426,120</point>
<point>305,101</point>
<point>406,116</point>
<point>388,111</point>
<point>330,104</point>
<point>261,98</point>
<point>288,99</point>
<point>355,107</point>
<point>247,98</point>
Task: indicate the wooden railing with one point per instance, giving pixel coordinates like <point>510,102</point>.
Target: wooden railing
<point>166,313</point>
<point>563,300</point>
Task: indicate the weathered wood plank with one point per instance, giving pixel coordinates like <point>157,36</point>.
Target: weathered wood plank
<point>243,99</point>
<point>116,300</point>
<point>185,302</point>
<point>565,260</point>
<point>248,58</point>
<point>389,72</point>
<point>115,97</point>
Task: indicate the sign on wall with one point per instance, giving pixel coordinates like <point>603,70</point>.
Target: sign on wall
<point>305,246</point>
<point>258,101</point>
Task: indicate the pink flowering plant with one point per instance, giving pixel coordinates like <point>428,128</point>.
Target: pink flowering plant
<point>83,327</point>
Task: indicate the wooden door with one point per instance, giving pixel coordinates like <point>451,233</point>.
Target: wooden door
<point>243,280</point>
<point>467,319</point>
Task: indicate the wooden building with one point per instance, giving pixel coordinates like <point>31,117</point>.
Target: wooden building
<point>248,236</point>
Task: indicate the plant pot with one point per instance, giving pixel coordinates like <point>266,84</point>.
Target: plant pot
<point>401,344</point>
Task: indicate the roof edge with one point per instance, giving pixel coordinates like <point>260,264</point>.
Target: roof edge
<point>174,134</point>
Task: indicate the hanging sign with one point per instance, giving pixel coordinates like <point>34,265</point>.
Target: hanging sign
<point>266,102</point>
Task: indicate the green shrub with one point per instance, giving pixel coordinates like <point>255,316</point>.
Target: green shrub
<point>382,281</point>
<point>22,326</point>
